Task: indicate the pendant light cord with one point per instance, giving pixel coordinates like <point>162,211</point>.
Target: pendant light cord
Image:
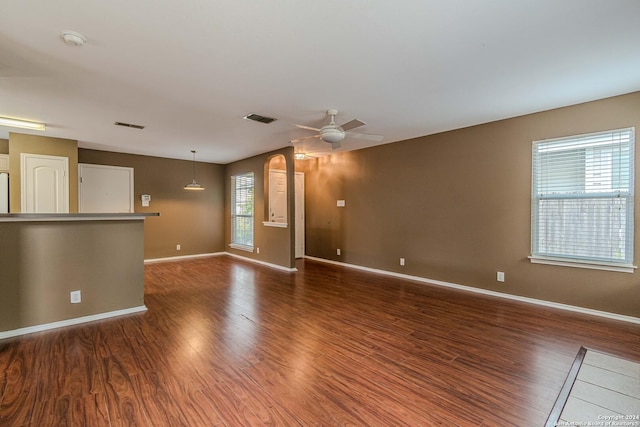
<point>194,165</point>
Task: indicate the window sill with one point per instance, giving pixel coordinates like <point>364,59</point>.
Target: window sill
<point>593,265</point>
<point>275,224</point>
<point>241,247</point>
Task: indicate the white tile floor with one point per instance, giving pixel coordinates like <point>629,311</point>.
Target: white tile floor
<point>606,393</point>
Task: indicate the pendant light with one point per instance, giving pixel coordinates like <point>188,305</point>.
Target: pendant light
<point>194,185</point>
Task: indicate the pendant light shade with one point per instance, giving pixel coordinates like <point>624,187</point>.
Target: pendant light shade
<point>193,185</point>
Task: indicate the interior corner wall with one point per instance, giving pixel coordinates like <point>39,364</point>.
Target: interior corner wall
<point>4,146</point>
<point>36,144</point>
<point>42,262</point>
<point>457,207</point>
<point>191,219</point>
<point>276,244</point>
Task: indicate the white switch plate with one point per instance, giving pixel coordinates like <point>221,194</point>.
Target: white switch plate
<point>338,251</point>
<point>76,297</point>
<point>341,203</point>
<point>500,276</point>
<point>401,261</point>
<point>177,247</point>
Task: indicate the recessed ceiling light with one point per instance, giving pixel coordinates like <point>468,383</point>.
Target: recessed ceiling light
<point>74,39</point>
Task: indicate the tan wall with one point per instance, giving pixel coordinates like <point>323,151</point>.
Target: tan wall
<point>276,244</point>
<point>35,144</point>
<point>192,219</point>
<point>4,146</point>
<point>457,206</point>
<point>42,262</point>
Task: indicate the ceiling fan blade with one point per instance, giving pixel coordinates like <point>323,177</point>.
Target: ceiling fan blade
<point>355,123</point>
<point>293,141</point>
<point>335,145</point>
<point>306,127</point>
<point>370,137</point>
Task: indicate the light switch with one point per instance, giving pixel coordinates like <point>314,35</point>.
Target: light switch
<point>341,204</point>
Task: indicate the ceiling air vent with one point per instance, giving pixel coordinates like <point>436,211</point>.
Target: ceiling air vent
<point>129,125</point>
<point>259,118</point>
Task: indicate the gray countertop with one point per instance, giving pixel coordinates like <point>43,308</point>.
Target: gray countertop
<point>22,217</point>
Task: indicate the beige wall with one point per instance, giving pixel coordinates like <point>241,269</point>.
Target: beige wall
<point>35,144</point>
<point>42,262</point>
<point>4,146</point>
<point>192,219</point>
<point>457,206</point>
<point>276,244</point>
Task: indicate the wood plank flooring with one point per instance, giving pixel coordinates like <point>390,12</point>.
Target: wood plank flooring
<point>231,343</point>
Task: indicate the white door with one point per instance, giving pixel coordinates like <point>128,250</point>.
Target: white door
<point>105,189</point>
<point>4,192</point>
<point>278,196</point>
<point>299,196</point>
<point>45,183</point>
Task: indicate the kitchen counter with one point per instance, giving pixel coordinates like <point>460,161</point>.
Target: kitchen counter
<point>15,217</point>
<point>46,257</point>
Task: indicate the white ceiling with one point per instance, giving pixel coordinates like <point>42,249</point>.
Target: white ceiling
<point>190,70</point>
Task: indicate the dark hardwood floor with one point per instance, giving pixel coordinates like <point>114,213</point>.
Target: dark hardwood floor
<point>231,343</point>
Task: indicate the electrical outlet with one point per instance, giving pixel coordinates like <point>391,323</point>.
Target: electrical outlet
<point>500,276</point>
<point>401,261</point>
<point>76,297</point>
<point>338,252</point>
<point>257,250</point>
<point>177,247</point>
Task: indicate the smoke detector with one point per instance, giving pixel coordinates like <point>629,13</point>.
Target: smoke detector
<point>74,39</point>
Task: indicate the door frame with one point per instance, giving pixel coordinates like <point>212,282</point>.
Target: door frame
<point>299,240</point>
<point>271,199</point>
<point>23,177</point>
<point>82,191</point>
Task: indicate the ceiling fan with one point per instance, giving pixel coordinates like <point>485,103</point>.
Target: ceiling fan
<point>334,134</point>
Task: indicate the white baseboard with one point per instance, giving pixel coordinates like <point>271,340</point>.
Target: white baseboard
<point>528,300</point>
<point>268,264</point>
<point>70,322</point>
<point>182,257</point>
<point>179,258</point>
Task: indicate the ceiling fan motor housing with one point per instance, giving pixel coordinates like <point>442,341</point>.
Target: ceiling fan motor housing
<point>331,134</point>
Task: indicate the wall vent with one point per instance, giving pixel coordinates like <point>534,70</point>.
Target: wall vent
<point>259,118</point>
<point>129,125</point>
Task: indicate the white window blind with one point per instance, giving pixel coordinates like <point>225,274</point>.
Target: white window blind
<point>242,197</point>
<point>582,198</point>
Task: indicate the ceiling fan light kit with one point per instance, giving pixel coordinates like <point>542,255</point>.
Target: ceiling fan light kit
<point>334,134</point>
<point>331,134</point>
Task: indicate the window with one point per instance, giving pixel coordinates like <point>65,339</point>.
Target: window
<point>582,201</point>
<point>242,196</point>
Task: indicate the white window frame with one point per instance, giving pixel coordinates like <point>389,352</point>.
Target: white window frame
<point>241,194</point>
<point>570,190</point>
